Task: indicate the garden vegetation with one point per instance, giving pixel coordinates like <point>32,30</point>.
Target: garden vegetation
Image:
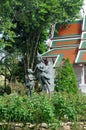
<point>62,107</point>
<point>67,103</point>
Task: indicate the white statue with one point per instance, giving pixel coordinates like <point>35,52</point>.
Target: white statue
<point>30,81</point>
<point>42,73</point>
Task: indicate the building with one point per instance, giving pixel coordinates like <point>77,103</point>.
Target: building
<point>69,42</point>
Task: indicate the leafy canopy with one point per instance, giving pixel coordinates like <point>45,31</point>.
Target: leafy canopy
<point>26,24</point>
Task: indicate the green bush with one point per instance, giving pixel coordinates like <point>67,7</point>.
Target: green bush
<point>1,90</point>
<point>65,79</point>
<point>64,105</point>
<point>23,109</point>
<point>69,106</point>
<point>80,105</point>
<point>7,90</point>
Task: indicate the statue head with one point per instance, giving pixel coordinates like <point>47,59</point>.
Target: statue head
<point>39,58</point>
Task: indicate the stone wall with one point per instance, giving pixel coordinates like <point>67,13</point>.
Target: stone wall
<point>43,126</point>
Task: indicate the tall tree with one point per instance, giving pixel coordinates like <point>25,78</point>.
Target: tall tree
<point>30,20</point>
<point>34,17</point>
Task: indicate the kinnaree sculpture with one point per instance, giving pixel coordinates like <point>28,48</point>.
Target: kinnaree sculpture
<point>40,74</point>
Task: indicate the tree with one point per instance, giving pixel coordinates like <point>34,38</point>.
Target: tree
<point>34,17</point>
<point>65,78</point>
<point>30,20</point>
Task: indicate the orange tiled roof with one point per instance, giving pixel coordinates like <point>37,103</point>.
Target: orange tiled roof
<point>81,56</point>
<point>68,53</point>
<point>71,29</point>
<point>65,42</point>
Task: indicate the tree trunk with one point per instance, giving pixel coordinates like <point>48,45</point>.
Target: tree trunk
<point>5,78</point>
<point>35,49</point>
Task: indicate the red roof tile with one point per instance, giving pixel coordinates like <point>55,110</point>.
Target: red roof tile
<point>71,29</point>
<point>68,53</point>
<point>83,58</point>
<point>65,42</point>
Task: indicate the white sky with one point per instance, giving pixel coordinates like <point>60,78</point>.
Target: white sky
<point>84,7</point>
<point>83,11</point>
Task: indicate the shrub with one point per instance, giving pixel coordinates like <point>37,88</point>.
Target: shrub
<point>69,106</point>
<point>1,90</point>
<point>80,105</point>
<point>65,107</point>
<point>6,90</point>
<point>36,109</point>
<point>65,79</point>
<point>62,106</point>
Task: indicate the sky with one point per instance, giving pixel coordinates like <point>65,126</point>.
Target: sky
<point>84,7</point>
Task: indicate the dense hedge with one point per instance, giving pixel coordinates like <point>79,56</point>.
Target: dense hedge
<point>39,108</point>
<point>65,78</point>
<point>69,106</point>
<point>24,109</point>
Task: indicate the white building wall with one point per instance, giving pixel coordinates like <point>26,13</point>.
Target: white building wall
<point>78,71</point>
<point>81,79</point>
<point>51,73</point>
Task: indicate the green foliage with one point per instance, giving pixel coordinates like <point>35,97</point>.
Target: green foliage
<point>1,90</point>
<point>36,109</point>
<point>80,105</point>
<point>65,106</point>
<point>6,90</point>
<point>18,72</point>
<point>65,79</point>
<point>69,106</point>
<point>9,35</point>
<point>27,22</point>
<point>26,25</point>
<point>62,106</point>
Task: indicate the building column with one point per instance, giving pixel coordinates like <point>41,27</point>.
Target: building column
<point>83,75</point>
